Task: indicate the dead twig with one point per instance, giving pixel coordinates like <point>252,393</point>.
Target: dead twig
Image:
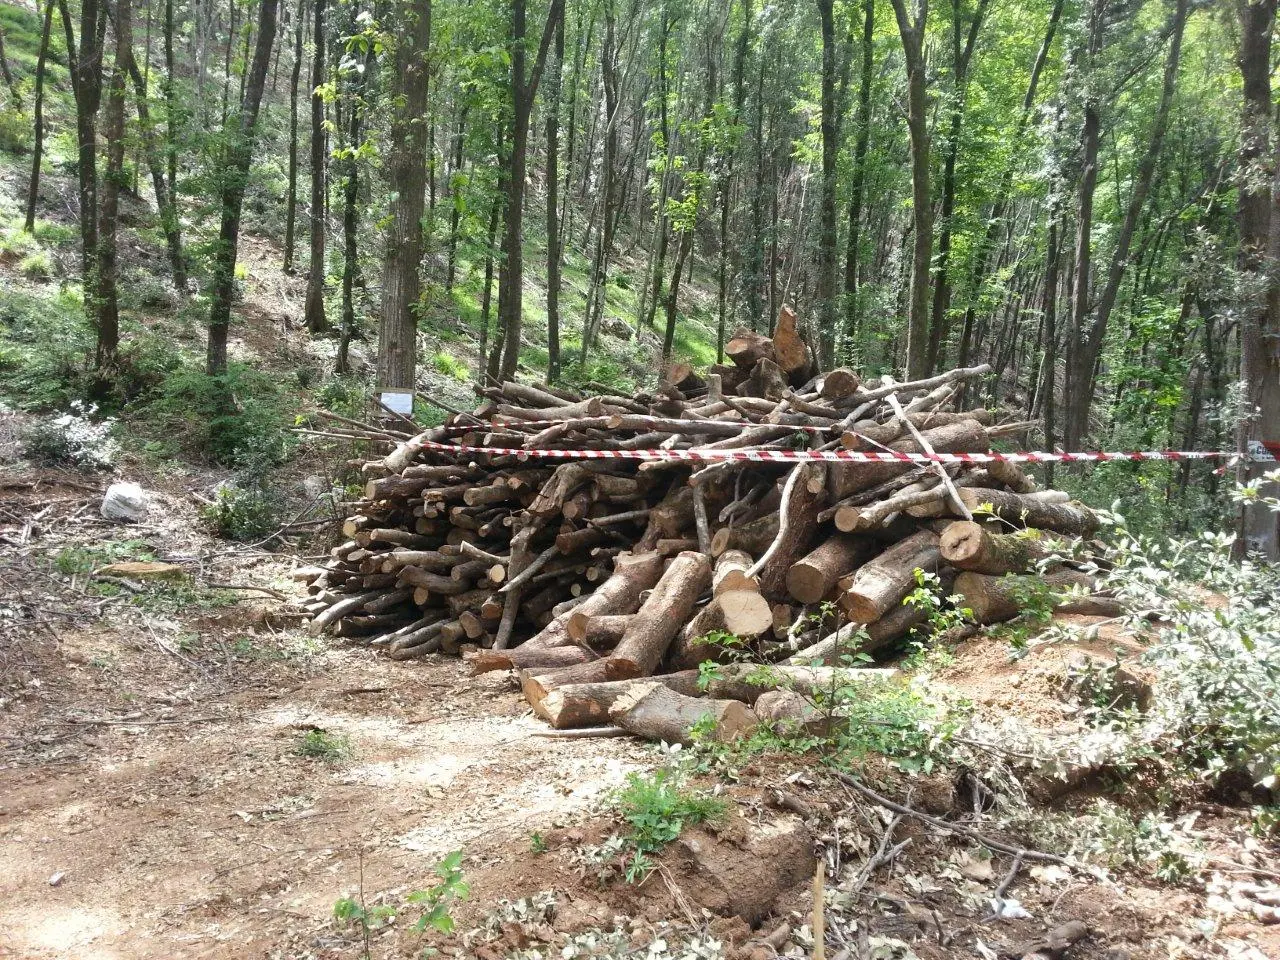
<point>996,845</point>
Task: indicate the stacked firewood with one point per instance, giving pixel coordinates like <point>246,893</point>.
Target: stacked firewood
<point>605,581</point>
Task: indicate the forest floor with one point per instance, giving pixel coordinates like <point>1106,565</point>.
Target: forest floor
<point>157,801</point>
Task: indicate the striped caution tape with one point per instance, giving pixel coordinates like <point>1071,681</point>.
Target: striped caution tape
<point>760,455</point>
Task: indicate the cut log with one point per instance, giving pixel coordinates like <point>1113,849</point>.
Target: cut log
<point>967,545</point>
<point>656,712</point>
<point>804,494</point>
<point>995,599</point>
<point>746,681</point>
<point>753,537</point>
<point>632,574</point>
<point>881,583</point>
<point>568,706</point>
<point>746,347</point>
<point>839,384</point>
<point>812,577</point>
<point>1032,510</point>
<point>743,613</point>
<point>731,573</point>
<point>659,619</point>
<point>524,657</point>
<point>599,632</point>
<point>794,357</point>
<point>767,381</point>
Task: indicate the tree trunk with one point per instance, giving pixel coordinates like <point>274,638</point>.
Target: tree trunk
<point>861,143</point>
<point>598,292</point>
<point>960,58</point>
<point>1082,381</point>
<point>165,205</point>
<point>656,712</point>
<point>8,77</point>
<point>553,208</point>
<point>407,179</point>
<point>86,72</point>
<point>524,86</point>
<point>234,177</point>
<point>455,215</point>
<point>1076,414</point>
<point>661,616</point>
<point>827,231</point>
<point>109,216</point>
<point>37,151</point>
<point>291,194</point>
<point>314,311</point>
<point>1259,226</point>
<point>921,204</point>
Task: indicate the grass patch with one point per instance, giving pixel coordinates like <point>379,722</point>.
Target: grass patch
<point>317,744</point>
<point>450,366</point>
<point>71,561</point>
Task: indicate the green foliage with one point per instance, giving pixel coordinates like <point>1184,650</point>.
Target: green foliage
<point>450,366</point>
<point>657,807</point>
<point>435,902</point>
<point>346,396</point>
<point>317,744</point>
<point>71,561</point>
<point>245,513</point>
<point>16,134</point>
<point>537,843</point>
<point>1217,703</point>
<point>241,418</point>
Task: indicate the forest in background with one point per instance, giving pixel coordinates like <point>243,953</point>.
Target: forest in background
<point>1077,193</point>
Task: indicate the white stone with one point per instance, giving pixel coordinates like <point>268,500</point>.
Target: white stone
<point>125,503</point>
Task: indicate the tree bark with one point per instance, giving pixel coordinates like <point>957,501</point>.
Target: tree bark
<point>235,176</point>
<point>407,179</point>
<point>912,33</point>
<point>1082,380</point>
<point>165,205</point>
<point>1259,527</point>
<point>109,215</point>
<point>827,231</point>
<point>313,313</point>
<point>656,712</point>
<point>661,616</point>
<point>291,194</point>
<point>524,86</point>
<point>856,189</point>
<point>554,254</point>
<point>37,151</point>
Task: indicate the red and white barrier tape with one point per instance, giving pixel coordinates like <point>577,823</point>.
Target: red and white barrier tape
<point>760,455</point>
<point>496,424</point>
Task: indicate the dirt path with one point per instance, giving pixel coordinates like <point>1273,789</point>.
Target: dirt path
<point>155,804</point>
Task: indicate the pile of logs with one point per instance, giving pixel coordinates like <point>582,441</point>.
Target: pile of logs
<point>606,582</point>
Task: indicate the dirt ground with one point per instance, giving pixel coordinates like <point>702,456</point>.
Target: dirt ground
<point>153,802</point>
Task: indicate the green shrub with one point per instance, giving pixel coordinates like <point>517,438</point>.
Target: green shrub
<point>241,418</point>
<point>657,807</point>
<point>346,396</point>
<point>245,513</point>
<point>16,129</point>
<point>450,365</point>
<point>37,265</point>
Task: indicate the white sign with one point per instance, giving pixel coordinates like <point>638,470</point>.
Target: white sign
<point>398,401</point>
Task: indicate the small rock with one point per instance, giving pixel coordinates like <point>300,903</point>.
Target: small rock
<point>142,570</point>
<point>313,486</point>
<point>125,503</point>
